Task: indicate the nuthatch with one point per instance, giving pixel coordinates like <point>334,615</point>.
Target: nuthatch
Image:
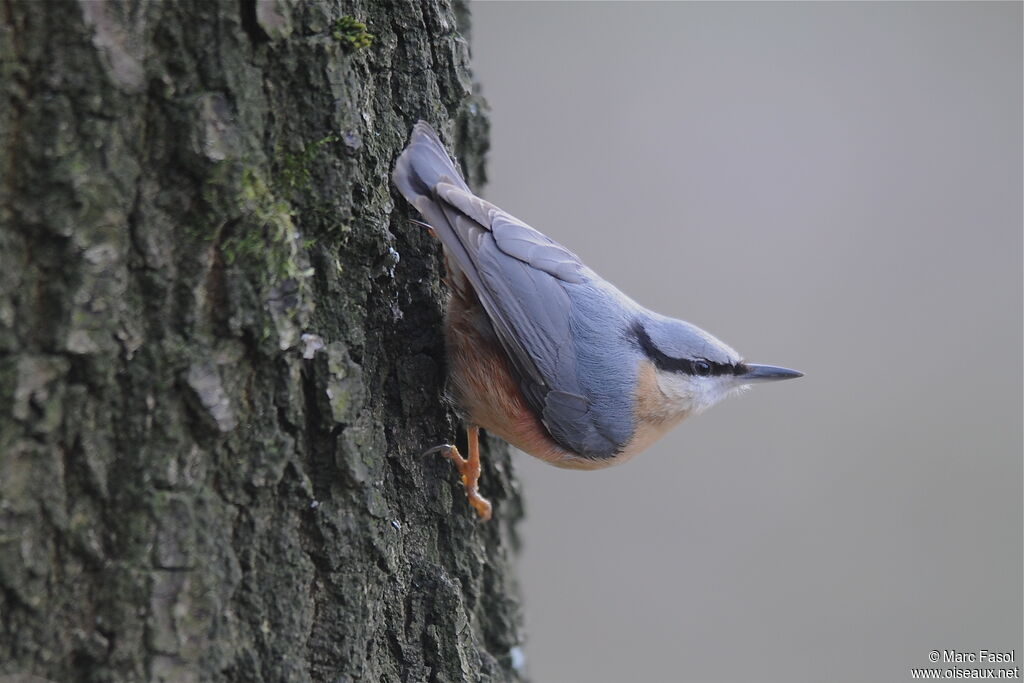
<point>545,353</point>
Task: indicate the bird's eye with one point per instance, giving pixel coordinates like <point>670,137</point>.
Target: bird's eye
<point>702,368</point>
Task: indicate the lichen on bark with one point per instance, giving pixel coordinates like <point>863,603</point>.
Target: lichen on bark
<point>221,355</point>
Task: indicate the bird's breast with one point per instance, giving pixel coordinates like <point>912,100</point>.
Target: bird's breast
<point>654,414</point>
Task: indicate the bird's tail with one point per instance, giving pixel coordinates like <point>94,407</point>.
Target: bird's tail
<point>421,167</point>
<point>423,164</point>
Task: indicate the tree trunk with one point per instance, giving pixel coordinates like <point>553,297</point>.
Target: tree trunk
<point>221,352</point>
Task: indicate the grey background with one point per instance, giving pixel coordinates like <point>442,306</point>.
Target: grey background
<point>830,187</point>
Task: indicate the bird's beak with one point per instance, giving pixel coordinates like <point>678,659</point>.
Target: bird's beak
<point>767,373</point>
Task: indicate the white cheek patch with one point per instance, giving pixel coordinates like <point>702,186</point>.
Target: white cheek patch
<point>735,390</point>
<point>679,390</point>
<point>709,392</point>
<point>691,394</point>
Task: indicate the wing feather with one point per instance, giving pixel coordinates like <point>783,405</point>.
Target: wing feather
<point>523,281</point>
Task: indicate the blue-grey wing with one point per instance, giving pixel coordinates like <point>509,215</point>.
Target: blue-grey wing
<point>524,281</point>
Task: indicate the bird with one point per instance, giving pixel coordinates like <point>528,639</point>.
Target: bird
<point>542,351</point>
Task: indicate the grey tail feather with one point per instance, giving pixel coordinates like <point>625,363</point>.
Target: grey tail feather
<point>420,167</point>
<point>423,164</point>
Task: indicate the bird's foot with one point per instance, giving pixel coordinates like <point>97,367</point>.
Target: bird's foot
<point>428,226</point>
<point>469,471</point>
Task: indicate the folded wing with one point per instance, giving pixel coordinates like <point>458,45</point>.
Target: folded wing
<point>524,282</point>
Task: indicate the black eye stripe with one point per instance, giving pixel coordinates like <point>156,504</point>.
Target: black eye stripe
<point>669,364</point>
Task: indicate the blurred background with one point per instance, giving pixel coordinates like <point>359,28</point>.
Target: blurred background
<point>831,187</point>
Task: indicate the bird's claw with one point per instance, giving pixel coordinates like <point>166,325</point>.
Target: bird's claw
<point>469,473</point>
<point>444,449</point>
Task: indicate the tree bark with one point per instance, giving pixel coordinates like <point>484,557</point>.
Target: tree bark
<point>221,352</point>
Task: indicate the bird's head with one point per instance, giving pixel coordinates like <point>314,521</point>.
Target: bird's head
<point>694,370</point>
